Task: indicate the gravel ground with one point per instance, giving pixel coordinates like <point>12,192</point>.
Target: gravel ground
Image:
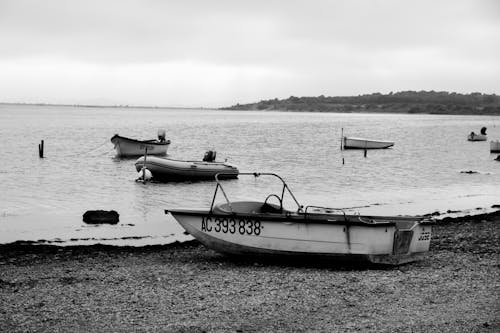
<point>187,288</point>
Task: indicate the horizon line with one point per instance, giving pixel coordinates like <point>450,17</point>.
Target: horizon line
<point>110,106</point>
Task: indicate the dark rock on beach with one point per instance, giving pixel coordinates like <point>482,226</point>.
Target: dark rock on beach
<point>101,217</point>
<point>188,288</point>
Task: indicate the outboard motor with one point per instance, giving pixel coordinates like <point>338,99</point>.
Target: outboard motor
<point>161,135</point>
<point>483,131</point>
<point>209,156</point>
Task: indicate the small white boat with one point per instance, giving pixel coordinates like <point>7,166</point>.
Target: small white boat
<point>131,147</point>
<point>495,146</point>
<point>256,228</point>
<point>166,169</point>
<point>478,137</point>
<point>360,143</point>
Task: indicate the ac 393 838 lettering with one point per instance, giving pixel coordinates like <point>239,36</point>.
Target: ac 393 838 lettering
<point>231,225</point>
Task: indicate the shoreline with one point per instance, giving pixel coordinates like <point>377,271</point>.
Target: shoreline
<point>366,111</point>
<point>177,234</point>
<point>28,246</point>
<point>184,287</point>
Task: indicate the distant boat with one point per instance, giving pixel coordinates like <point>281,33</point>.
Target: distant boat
<point>166,169</point>
<point>262,228</point>
<point>360,143</point>
<point>495,146</point>
<point>132,147</point>
<point>478,137</point>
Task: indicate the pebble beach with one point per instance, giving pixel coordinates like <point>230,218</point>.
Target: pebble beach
<point>185,287</point>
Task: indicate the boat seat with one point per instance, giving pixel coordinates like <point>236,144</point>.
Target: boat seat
<point>271,208</point>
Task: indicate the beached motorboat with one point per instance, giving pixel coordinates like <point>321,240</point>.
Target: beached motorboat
<point>265,228</point>
<point>495,146</point>
<point>167,169</point>
<point>360,143</point>
<point>131,147</point>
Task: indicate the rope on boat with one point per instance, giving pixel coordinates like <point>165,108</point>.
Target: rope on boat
<point>94,149</point>
<point>107,151</point>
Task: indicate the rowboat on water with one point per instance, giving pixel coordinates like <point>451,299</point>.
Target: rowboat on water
<point>495,146</point>
<point>263,228</point>
<point>478,137</point>
<point>132,147</point>
<point>166,169</point>
<point>360,143</point>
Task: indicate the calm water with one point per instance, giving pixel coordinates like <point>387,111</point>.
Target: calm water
<point>45,198</point>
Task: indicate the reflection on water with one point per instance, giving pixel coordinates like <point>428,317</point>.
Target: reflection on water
<point>47,197</point>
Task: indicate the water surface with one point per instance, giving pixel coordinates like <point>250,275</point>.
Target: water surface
<point>45,198</point>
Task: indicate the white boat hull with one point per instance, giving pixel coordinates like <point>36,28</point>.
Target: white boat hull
<point>477,137</point>
<point>360,143</point>
<point>495,146</point>
<point>168,169</point>
<point>130,147</point>
<point>331,236</point>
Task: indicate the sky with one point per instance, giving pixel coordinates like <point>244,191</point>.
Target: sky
<point>208,53</point>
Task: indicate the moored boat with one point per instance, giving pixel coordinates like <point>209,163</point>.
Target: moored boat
<point>255,228</point>
<point>166,169</point>
<point>132,147</point>
<point>478,137</point>
<point>361,143</point>
<point>495,146</point>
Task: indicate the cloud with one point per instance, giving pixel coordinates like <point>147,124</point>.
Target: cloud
<point>182,84</point>
<point>217,52</point>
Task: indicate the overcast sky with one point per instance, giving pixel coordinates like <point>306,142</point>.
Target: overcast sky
<point>218,53</point>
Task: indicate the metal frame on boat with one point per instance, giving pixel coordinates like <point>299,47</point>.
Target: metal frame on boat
<point>263,228</point>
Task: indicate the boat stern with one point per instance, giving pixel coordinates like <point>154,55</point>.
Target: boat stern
<point>409,245</point>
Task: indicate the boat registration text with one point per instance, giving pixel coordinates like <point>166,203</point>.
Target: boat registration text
<point>231,225</point>
<point>147,147</point>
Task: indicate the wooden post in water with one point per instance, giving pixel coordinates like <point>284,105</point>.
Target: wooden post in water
<point>40,149</point>
<point>342,144</point>
<point>341,138</point>
<point>144,166</point>
<point>365,151</point>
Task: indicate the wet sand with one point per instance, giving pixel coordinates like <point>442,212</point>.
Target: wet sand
<point>188,288</point>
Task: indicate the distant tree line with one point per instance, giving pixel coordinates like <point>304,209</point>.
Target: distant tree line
<point>432,102</point>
